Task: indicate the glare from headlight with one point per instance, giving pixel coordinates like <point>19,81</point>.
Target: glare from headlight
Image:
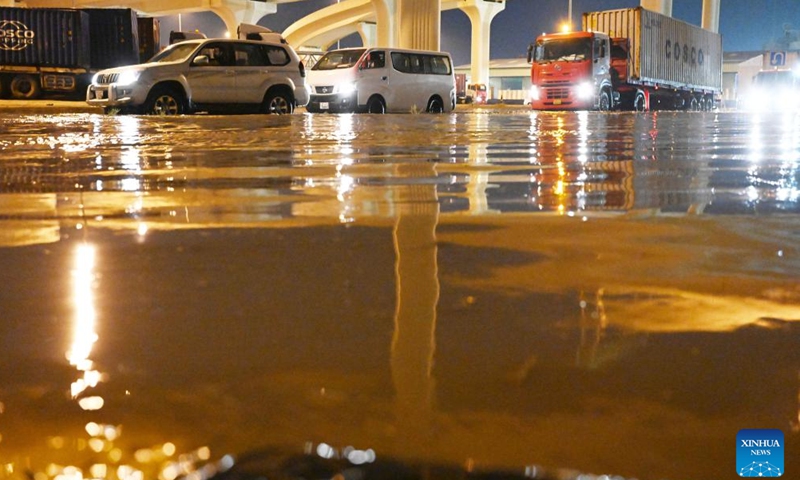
<point>584,90</point>
<point>128,77</point>
<point>346,88</point>
<point>534,92</point>
<point>94,78</point>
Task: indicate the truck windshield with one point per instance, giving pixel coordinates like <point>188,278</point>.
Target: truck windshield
<point>339,59</point>
<point>177,53</point>
<point>563,49</point>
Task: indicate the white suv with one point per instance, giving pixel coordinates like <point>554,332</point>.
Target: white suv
<point>218,74</point>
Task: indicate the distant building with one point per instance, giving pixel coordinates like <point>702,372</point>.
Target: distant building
<point>509,79</point>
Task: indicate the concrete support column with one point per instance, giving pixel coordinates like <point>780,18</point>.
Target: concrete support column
<point>388,31</point>
<point>481,13</point>
<point>368,31</point>
<point>234,12</point>
<point>420,24</point>
<point>711,15</point>
<point>663,7</point>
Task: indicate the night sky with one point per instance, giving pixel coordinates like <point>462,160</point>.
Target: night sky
<point>745,25</point>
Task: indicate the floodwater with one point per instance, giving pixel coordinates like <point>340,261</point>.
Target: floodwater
<point>546,295</point>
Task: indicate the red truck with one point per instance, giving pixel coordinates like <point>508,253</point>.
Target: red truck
<point>627,59</point>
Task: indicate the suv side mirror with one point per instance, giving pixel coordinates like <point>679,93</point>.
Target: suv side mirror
<point>200,60</point>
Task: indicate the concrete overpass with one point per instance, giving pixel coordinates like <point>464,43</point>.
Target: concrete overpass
<point>391,23</point>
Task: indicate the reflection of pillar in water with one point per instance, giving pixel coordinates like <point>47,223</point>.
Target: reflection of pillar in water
<point>478,178</point>
<point>592,326</point>
<point>413,343</point>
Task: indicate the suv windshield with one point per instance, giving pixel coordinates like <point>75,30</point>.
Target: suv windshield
<point>339,59</point>
<point>176,53</point>
<point>564,49</point>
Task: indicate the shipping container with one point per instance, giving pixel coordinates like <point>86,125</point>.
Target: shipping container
<point>47,38</point>
<point>58,50</point>
<point>149,38</point>
<point>114,37</point>
<point>664,51</point>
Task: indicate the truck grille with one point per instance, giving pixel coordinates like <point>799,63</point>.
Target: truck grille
<point>59,82</point>
<point>557,93</point>
<point>107,79</point>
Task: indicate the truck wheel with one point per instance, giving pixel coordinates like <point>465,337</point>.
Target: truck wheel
<point>278,103</point>
<point>435,105</point>
<point>640,102</point>
<point>25,87</point>
<point>604,102</point>
<point>375,105</point>
<point>164,101</point>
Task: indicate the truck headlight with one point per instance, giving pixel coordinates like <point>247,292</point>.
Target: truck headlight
<point>584,90</point>
<point>128,77</point>
<point>534,92</point>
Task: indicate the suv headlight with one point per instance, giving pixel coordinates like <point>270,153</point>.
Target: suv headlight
<point>128,77</point>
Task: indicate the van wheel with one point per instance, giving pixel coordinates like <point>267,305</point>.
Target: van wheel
<point>278,103</point>
<point>25,87</point>
<point>435,106</point>
<point>164,101</point>
<point>376,105</point>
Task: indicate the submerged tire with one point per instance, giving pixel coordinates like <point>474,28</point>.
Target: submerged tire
<point>25,87</point>
<point>435,105</point>
<point>375,105</point>
<point>277,103</point>
<point>164,101</point>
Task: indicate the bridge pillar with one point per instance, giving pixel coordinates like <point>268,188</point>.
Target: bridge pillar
<point>481,13</point>
<point>420,23</point>
<point>388,32</point>
<point>368,32</point>
<point>711,15</point>
<point>234,12</point>
<point>663,7</point>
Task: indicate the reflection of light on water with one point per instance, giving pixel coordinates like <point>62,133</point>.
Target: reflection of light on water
<point>583,136</point>
<point>84,335</point>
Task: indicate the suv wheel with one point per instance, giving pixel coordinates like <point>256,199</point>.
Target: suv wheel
<point>277,102</point>
<point>164,101</point>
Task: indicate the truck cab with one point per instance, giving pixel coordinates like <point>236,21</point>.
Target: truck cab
<point>571,71</point>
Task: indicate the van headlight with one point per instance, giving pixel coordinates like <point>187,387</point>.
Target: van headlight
<point>346,88</point>
<point>584,90</point>
<point>128,77</point>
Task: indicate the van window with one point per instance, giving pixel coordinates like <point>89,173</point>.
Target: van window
<point>374,60</point>
<point>339,59</point>
<point>421,63</point>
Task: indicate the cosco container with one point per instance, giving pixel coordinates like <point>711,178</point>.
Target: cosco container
<point>38,37</point>
<point>664,51</point>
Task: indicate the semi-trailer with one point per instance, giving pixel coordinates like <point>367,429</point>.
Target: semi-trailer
<point>48,51</point>
<point>630,59</point>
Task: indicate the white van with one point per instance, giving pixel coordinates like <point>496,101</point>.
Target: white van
<point>380,80</point>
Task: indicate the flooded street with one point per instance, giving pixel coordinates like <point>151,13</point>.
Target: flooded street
<point>552,295</point>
